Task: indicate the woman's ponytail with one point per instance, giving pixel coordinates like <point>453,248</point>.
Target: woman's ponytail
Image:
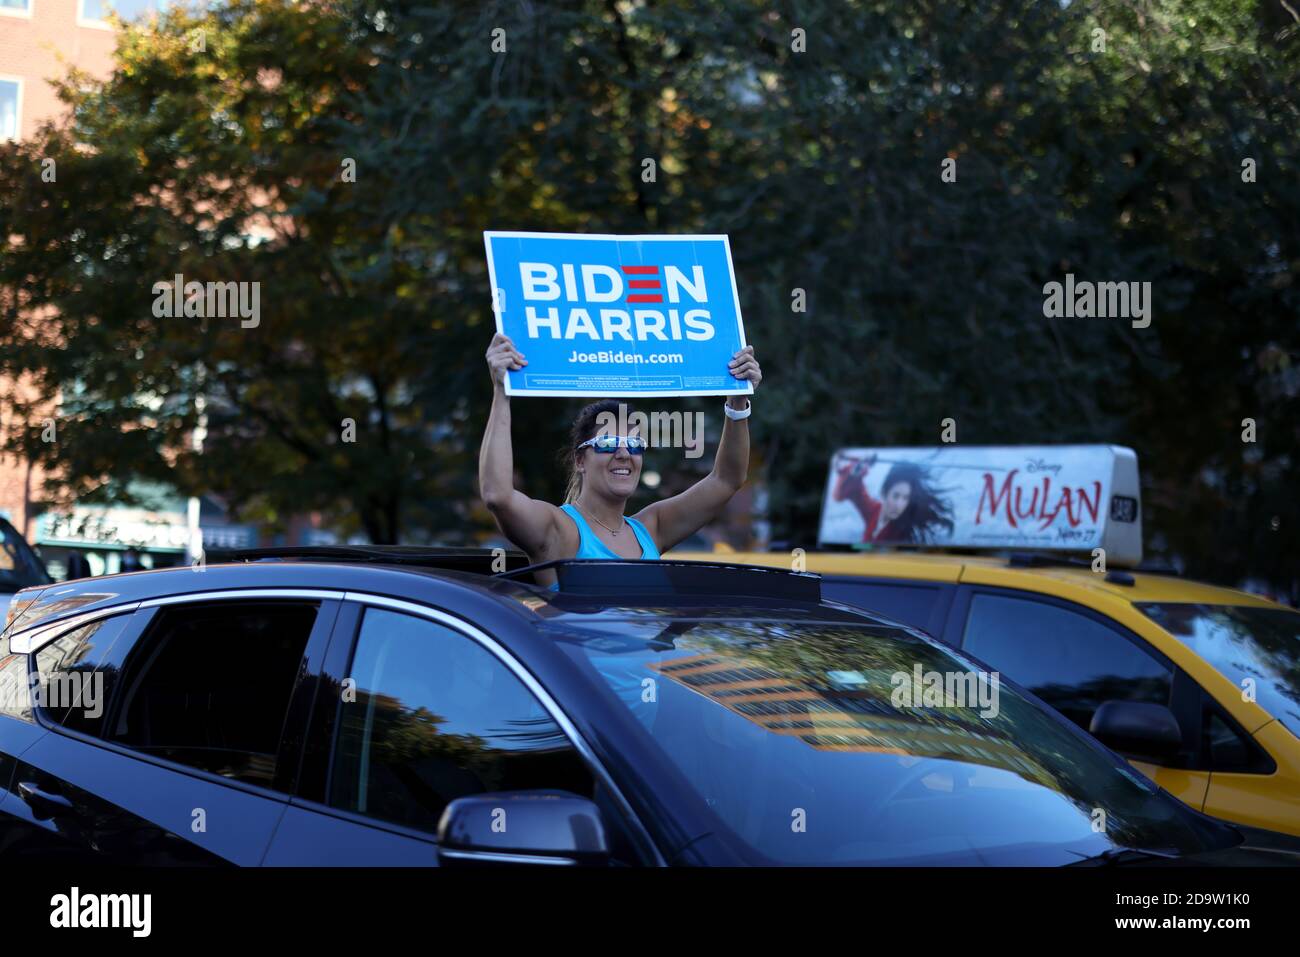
<point>585,426</point>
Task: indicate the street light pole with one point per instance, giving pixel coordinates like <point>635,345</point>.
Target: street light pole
<point>194,543</point>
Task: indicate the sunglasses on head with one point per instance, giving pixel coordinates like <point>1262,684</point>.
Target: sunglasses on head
<point>611,443</point>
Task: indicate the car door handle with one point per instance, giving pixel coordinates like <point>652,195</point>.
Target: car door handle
<point>43,804</point>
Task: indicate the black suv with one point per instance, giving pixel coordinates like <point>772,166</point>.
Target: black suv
<point>408,707</point>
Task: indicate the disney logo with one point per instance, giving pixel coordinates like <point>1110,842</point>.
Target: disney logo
<point>1042,465</point>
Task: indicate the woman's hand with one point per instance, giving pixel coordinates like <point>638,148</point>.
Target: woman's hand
<point>502,356</point>
<point>743,365</point>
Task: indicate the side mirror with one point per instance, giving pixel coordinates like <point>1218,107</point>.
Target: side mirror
<point>1137,729</point>
<point>522,827</point>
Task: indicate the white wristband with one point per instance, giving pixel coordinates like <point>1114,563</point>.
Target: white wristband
<point>742,414</point>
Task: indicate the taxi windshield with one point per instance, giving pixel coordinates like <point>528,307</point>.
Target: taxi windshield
<point>830,743</point>
<point>1243,642</point>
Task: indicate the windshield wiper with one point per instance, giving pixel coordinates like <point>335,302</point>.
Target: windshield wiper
<point>1114,856</point>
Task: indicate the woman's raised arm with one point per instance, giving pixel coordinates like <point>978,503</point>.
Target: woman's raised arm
<point>527,522</point>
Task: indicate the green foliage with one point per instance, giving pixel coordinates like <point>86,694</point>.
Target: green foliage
<point>221,165</point>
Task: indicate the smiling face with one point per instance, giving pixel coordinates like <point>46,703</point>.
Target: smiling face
<point>612,475</point>
<point>896,500</point>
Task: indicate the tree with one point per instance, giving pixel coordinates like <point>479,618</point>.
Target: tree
<point>209,154</point>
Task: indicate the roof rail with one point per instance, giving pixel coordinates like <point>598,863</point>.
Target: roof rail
<point>1041,560</point>
<point>602,576</point>
<point>1159,567</point>
<point>484,561</point>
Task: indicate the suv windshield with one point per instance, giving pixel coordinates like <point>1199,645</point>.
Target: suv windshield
<point>826,743</point>
<point>19,566</point>
<point>1243,642</point>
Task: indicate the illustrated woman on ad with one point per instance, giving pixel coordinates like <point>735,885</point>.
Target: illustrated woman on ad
<point>909,510</point>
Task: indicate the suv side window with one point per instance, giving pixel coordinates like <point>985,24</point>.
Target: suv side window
<point>209,685</point>
<point>436,716</point>
<point>1070,660</point>
<point>15,691</point>
<point>74,685</point>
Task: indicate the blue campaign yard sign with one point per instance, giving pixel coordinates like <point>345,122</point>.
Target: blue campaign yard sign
<point>617,315</point>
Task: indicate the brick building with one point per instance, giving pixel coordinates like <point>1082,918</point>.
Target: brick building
<point>42,39</point>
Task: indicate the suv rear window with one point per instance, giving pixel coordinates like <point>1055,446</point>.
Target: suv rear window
<point>209,686</point>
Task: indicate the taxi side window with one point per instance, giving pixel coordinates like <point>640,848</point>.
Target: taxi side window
<point>1070,660</point>
<point>1228,749</point>
<point>912,604</point>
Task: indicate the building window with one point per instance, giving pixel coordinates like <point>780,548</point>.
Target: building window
<point>99,10</point>
<point>11,98</point>
<point>18,7</point>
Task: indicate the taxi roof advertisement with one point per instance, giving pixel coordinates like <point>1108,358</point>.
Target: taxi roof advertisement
<point>1057,497</point>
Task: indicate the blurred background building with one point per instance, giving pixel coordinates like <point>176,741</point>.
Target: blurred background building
<point>40,40</point>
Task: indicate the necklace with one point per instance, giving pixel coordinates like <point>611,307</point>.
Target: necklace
<point>612,531</point>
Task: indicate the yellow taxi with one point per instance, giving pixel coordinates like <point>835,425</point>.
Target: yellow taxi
<point>1197,685</point>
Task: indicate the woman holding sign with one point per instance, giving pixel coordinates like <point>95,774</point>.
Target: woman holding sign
<point>605,469</point>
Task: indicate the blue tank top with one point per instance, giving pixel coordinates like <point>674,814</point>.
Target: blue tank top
<point>589,546</point>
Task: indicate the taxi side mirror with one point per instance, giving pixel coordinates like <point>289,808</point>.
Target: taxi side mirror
<point>1137,729</point>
